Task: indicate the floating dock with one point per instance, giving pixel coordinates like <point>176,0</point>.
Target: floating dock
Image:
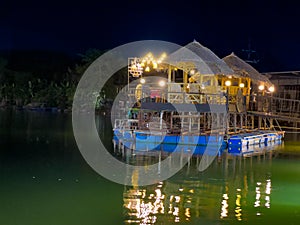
<point>176,101</point>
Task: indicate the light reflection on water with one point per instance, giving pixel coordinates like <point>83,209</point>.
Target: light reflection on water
<point>233,188</point>
<point>45,180</point>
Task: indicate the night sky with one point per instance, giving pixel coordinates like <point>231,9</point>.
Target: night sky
<point>272,27</point>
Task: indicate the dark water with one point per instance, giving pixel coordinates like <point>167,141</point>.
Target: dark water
<point>45,181</point>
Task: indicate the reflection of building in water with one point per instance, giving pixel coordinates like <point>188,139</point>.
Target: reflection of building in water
<point>233,188</point>
<point>144,206</point>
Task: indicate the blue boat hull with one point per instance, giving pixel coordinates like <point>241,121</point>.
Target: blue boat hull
<point>243,143</point>
<point>142,141</point>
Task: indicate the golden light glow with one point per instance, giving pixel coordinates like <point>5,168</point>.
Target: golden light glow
<point>142,81</point>
<point>224,209</point>
<point>268,187</point>
<point>261,87</point>
<point>147,69</point>
<point>187,212</point>
<point>177,199</point>
<point>154,65</point>
<point>267,204</point>
<point>272,89</point>
<point>242,85</point>
<point>268,193</point>
<point>238,209</point>
<point>135,67</point>
<point>192,72</point>
<point>227,83</point>
<point>163,55</point>
<point>257,196</point>
<point>176,211</point>
<point>162,83</point>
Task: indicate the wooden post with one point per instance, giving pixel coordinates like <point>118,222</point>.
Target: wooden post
<point>199,118</point>
<point>185,79</point>
<point>204,121</point>
<point>218,122</point>
<point>241,120</point>
<point>190,122</point>
<point>182,118</point>
<point>234,122</point>
<point>170,74</point>
<point>259,122</point>
<point>171,121</point>
<point>161,119</point>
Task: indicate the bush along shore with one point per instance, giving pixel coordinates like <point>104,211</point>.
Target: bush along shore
<point>47,87</point>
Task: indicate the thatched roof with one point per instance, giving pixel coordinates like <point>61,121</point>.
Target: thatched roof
<point>243,69</point>
<point>196,56</point>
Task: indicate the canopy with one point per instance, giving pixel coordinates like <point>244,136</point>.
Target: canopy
<point>243,69</point>
<point>197,57</point>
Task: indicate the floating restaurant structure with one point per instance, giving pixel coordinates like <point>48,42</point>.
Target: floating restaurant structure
<point>192,97</point>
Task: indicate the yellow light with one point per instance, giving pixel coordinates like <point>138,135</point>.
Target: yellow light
<point>142,64</point>
<point>142,81</point>
<point>162,83</point>
<point>154,65</point>
<point>164,55</point>
<point>261,87</point>
<point>242,85</point>
<point>175,69</point>
<point>147,69</point>
<point>272,89</point>
<point>177,199</point>
<point>227,83</point>
<point>192,72</point>
<point>229,76</point>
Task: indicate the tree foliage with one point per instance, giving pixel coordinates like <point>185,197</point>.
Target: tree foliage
<point>29,88</point>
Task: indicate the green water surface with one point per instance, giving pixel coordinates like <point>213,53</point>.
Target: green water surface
<point>45,181</point>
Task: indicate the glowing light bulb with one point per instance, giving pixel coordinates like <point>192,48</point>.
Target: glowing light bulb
<point>164,55</point>
<point>261,87</point>
<point>272,89</point>
<point>242,85</point>
<point>162,83</point>
<point>227,83</point>
<point>142,81</point>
